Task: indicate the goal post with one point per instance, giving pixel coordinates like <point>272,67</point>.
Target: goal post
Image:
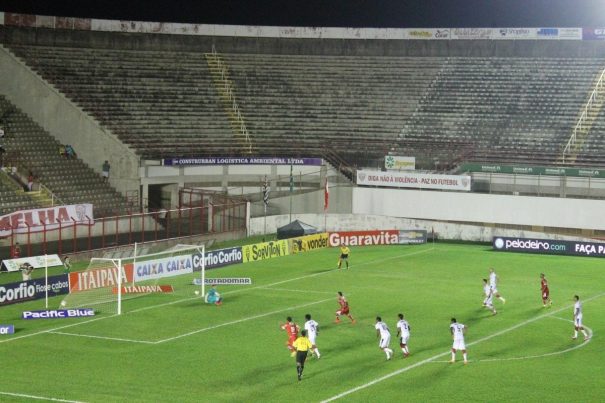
<point>99,286</point>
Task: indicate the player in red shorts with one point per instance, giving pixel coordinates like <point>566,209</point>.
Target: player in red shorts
<point>344,308</point>
<point>291,329</point>
<point>545,291</point>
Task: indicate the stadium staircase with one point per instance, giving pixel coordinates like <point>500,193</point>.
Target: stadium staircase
<point>226,90</point>
<point>587,120</point>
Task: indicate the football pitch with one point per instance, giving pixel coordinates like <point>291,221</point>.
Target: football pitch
<point>173,347</point>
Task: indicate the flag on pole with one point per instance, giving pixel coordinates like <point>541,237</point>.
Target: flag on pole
<point>291,179</point>
<point>266,194</point>
<point>326,196</point>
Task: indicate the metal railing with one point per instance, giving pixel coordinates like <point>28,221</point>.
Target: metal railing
<point>227,92</point>
<point>583,116</point>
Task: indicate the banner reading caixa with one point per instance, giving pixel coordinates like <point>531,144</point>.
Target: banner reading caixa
<point>33,289</point>
<point>549,246</point>
<point>308,242</point>
<point>265,250</point>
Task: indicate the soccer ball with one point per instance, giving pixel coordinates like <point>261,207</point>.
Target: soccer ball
<point>197,292</point>
<point>63,303</point>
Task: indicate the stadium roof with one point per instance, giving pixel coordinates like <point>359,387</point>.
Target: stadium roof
<point>332,13</point>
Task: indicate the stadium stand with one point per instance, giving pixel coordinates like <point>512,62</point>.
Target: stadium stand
<point>70,180</point>
<point>514,110</point>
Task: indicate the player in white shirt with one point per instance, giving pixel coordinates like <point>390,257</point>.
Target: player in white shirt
<point>403,332</point>
<point>493,282</point>
<point>382,331</point>
<point>577,319</point>
<point>488,301</point>
<point>458,330</point>
<point>312,329</point>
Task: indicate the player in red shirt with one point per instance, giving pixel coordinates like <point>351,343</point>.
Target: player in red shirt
<point>344,308</point>
<point>16,252</point>
<point>545,291</point>
<point>291,329</point>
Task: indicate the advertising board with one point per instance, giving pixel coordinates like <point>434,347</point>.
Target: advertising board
<point>265,250</point>
<point>549,246</point>
<point>33,289</point>
<point>414,180</point>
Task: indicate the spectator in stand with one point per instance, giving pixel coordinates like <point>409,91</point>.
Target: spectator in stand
<point>106,168</point>
<point>66,265</point>
<point>30,181</point>
<point>16,251</point>
<point>69,151</point>
<point>62,151</point>
<point>1,132</point>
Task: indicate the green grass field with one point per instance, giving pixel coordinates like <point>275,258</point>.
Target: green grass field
<point>172,347</point>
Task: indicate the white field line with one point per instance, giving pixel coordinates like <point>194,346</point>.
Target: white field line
<point>242,320</point>
<point>48,399</point>
<point>529,357</point>
<point>103,337</point>
<point>55,329</point>
<point>303,291</point>
<point>227,292</point>
<point>430,359</point>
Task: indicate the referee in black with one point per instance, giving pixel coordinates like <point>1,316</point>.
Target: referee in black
<point>302,346</point>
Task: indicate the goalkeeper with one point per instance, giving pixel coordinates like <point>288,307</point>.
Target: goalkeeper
<point>213,296</point>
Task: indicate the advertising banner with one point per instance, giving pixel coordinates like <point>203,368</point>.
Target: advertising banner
<point>515,33</point>
<point>99,278</point>
<point>7,329</point>
<point>308,242</point>
<point>45,218</point>
<point>218,258</point>
<point>242,161</point>
<point>59,313</point>
<point>427,33</point>
<point>533,170</point>
<point>35,261</point>
<point>473,33</point>
<point>364,238</point>
<point>593,34</point>
<point>547,33</point>
<point>397,163</point>
<point>412,236</point>
<point>144,289</point>
<point>33,289</point>
<point>161,268</point>
<point>265,250</point>
<point>570,33</point>
<point>414,180</point>
<point>224,281</point>
<point>549,246</point>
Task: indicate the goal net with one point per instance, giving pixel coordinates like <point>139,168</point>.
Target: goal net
<point>108,281</point>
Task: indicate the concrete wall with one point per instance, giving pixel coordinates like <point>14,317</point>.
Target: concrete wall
<point>352,222</point>
<point>367,47</point>
<point>67,122</point>
<point>482,208</point>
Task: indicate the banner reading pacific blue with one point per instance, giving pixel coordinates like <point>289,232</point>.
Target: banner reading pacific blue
<point>242,161</point>
<point>265,250</point>
<point>33,289</point>
<point>549,246</point>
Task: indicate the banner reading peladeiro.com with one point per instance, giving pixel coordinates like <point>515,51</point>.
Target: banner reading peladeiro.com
<point>549,246</point>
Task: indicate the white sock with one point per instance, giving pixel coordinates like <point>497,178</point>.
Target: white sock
<point>453,356</point>
<point>584,333</point>
<point>464,356</point>
<point>575,333</point>
<point>317,352</point>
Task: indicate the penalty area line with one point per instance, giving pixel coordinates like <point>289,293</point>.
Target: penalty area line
<point>48,399</point>
<point>234,322</point>
<point>433,358</point>
<point>103,337</point>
